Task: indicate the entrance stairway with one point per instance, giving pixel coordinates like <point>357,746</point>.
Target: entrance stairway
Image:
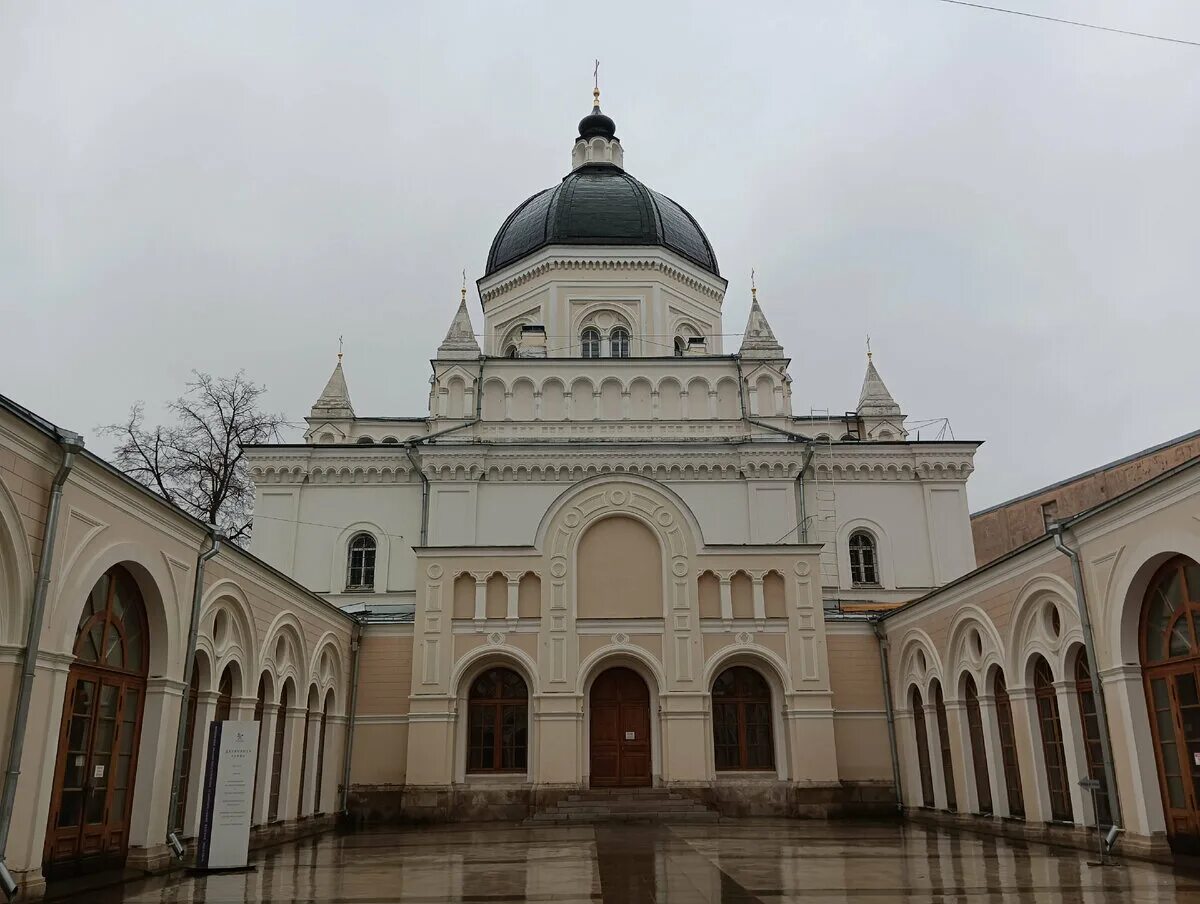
<point>624,805</point>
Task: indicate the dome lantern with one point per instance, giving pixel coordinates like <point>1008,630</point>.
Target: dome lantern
<point>597,141</point>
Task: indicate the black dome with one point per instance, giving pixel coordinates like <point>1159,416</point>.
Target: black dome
<point>597,125</point>
<point>600,204</point>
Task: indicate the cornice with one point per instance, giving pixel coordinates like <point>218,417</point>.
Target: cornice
<point>591,263</point>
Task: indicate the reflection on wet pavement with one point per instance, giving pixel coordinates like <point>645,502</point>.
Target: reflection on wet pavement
<point>745,861</point>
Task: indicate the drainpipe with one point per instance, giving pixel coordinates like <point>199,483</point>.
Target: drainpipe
<point>810,451</point>
<point>1089,649</point>
<point>174,831</point>
<point>408,450</point>
<point>355,646</point>
<point>891,715</point>
<point>72,445</point>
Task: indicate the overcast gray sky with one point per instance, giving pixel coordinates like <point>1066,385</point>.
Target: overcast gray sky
<point>1009,206</point>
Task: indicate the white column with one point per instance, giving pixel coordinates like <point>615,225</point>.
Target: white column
<point>965,794</point>
<point>480,596</point>
<point>933,732</point>
<point>514,586</point>
<point>726,594</point>
<point>335,759</point>
<point>293,748</point>
<point>1074,754</point>
<point>760,603</point>
<point>993,750</point>
<point>266,754</point>
<point>312,734</point>
<point>1028,734</point>
<point>242,709</point>
<point>206,710</point>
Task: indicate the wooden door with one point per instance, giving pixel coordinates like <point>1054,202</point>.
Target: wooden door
<point>620,730</point>
<point>97,760</point>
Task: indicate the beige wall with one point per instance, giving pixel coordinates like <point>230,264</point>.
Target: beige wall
<point>620,571</point>
<point>1006,527</point>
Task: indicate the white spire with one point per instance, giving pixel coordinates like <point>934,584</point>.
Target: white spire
<point>335,398</point>
<point>759,340</point>
<point>460,338</point>
<point>875,400</point>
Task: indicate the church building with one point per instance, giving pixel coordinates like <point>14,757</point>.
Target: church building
<point>611,554</point>
<point>614,565</point>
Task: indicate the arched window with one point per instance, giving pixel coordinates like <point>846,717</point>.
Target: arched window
<point>864,562</point>
<point>939,707</point>
<point>983,788</point>
<point>618,343</point>
<point>390,440</point>
<point>1171,669</point>
<point>1008,749</point>
<point>498,723</point>
<point>365,441</point>
<point>510,352</point>
<point>590,340</point>
<point>285,701</point>
<point>680,346</point>
<point>741,709</point>
<point>1052,744</point>
<point>922,738</point>
<point>1091,736</point>
<point>360,566</point>
<point>260,706</point>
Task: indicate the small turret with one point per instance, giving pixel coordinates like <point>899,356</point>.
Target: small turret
<point>759,339</point>
<point>460,343</point>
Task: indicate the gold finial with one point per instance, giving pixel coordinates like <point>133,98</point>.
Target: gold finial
<point>596,85</point>
<point>464,286</point>
<point>339,349</point>
<point>868,346</point>
<point>753,287</point>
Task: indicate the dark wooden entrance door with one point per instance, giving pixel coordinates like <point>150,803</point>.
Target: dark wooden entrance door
<point>94,779</point>
<point>98,740</point>
<point>620,730</point>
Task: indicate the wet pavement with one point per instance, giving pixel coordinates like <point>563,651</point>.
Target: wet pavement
<point>745,861</point>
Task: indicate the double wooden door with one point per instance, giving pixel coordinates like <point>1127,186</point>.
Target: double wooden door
<point>94,773</point>
<point>1174,698</point>
<point>620,730</point>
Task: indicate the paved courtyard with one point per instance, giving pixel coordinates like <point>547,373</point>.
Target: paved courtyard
<point>741,861</point>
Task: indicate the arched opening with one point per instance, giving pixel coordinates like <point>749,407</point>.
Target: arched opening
<point>620,730</point>
<point>285,702</point>
<point>225,694</point>
<point>864,559</point>
<point>101,725</point>
<point>1170,623</point>
<point>680,346</point>
<point>309,711</point>
<point>979,763</point>
<point>1008,748</point>
<point>921,731</point>
<point>498,723</point>
<point>939,708</point>
<point>741,712</point>
<point>360,563</point>
<point>1090,725</point>
<point>260,705</point>
<point>589,340</point>
<point>510,352</point>
<point>1053,754</point>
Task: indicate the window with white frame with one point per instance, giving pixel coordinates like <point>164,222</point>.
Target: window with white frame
<point>590,340</point>
<point>360,566</point>
<point>618,343</point>
<point>864,559</point>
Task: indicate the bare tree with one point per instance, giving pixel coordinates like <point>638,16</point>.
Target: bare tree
<point>197,462</point>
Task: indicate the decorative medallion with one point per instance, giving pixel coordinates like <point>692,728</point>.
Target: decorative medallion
<point>745,637</point>
<point>618,497</point>
<point>434,571</point>
<point>620,638</point>
<point>558,567</point>
<point>495,638</point>
<point>802,569</point>
<point>571,519</point>
<point>664,519</point>
<point>679,567</point>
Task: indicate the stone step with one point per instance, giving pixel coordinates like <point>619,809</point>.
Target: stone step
<point>552,819</point>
